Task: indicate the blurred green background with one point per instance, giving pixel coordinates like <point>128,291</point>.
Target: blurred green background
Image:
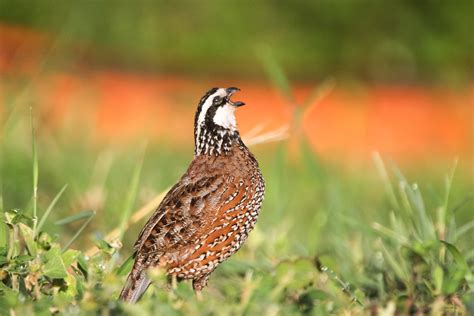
<point>426,41</point>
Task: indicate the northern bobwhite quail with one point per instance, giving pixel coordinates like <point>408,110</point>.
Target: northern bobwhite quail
<point>207,215</point>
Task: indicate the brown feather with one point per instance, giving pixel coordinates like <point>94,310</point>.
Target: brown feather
<point>203,219</point>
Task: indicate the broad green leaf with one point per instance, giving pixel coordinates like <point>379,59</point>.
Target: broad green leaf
<point>3,260</point>
<point>69,256</point>
<point>8,216</point>
<point>71,286</point>
<point>15,216</point>
<point>22,259</point>
<point>453,280</point>
<point>27,233</point>
<point>105,246</point>
<point>54,266</point>
<point>462,265</point>
<point>8,299</point>
<point>458,257</point>
<point>81,260</point>
<point>126,267</point>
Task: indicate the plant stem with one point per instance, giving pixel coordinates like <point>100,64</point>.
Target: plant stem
<point>35,173</point>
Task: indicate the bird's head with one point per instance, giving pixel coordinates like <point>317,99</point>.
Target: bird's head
<point>214,123</point>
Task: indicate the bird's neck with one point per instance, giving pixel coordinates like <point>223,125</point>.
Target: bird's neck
<point>216,141</point>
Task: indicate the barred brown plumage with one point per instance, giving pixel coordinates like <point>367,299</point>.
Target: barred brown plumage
<point>207,215</point>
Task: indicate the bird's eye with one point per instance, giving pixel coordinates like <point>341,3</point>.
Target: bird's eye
<point>217,100</point>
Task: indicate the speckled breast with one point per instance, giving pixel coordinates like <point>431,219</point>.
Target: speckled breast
<point>236,217</point>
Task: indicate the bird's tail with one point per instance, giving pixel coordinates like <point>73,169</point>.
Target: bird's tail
<point>136,284</point>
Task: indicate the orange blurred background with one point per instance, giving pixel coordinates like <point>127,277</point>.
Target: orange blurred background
<point>408,123</point>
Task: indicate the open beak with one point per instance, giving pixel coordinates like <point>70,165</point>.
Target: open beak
<point>230,91</point>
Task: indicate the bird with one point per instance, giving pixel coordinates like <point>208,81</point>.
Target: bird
<point>207,215</point>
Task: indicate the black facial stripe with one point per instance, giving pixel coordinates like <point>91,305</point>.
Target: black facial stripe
<point>209,118</point>
<point>209,124</point>
<point>206,96</point>
<point>203,100</point>
<point>200,104</point>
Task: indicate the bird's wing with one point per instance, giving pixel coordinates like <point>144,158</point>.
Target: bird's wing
<point>162,209</point>
<point>188,211</point>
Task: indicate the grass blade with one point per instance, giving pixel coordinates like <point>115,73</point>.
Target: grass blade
<point>35,173</point>
<point>318,94</point>
<point>275,72</point>
<point>69,243</point>
<point>382,170</point>
<point>268,137</point>
<point>3,226</point>
<point>75,217</point>
<point>443,216</point>
<point>413,202</point>
<point>464,229</point>
<point>132,193</point>
<point>387,232</point>
<point>449,184</point>
<point>50,208</point>
<point>396,264</point>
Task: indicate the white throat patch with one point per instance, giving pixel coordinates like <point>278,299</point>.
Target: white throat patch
<point>225,117</point>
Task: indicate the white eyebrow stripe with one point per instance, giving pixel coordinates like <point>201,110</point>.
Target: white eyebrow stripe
<point>205,107</point>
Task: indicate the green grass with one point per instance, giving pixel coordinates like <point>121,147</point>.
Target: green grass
<point>329,239</point>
